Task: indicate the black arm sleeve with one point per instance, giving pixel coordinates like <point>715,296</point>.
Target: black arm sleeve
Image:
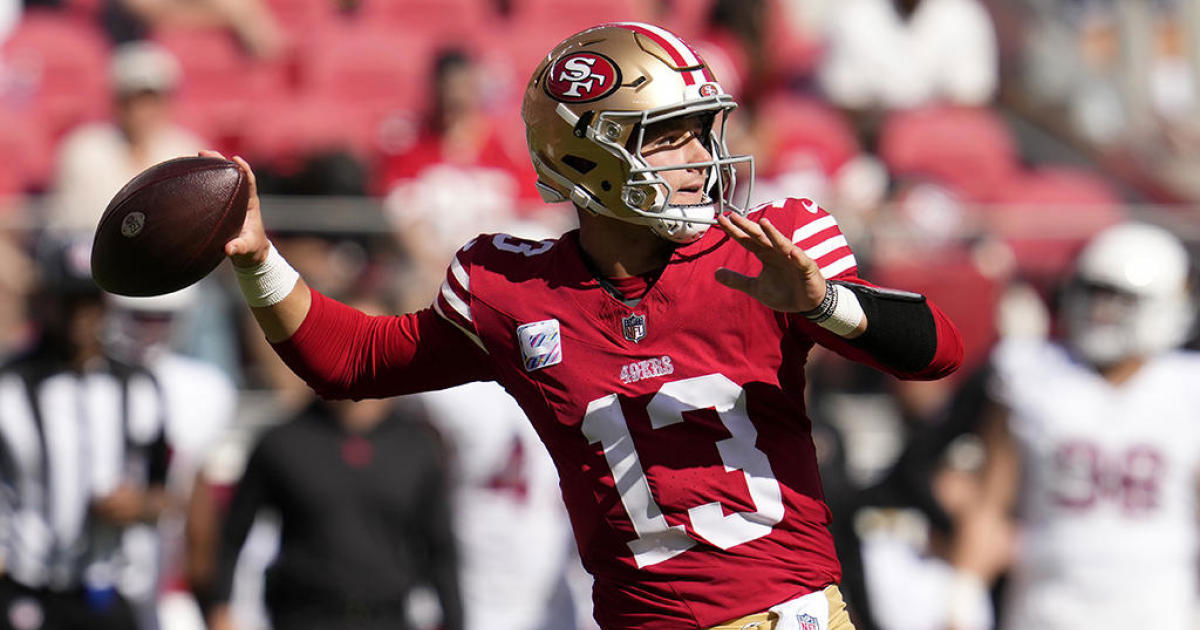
<point>901,332</point>
<point>251,494</point>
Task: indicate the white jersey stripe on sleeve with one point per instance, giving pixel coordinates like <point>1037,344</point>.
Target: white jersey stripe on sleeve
<point>826,246</point>
<point>437,307</point>
<point>808,230</point>
<point>456,303</point>
<point>839,266</point>
<point>460,274</point>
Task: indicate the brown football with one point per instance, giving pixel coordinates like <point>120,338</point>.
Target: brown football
<point>167,228</point>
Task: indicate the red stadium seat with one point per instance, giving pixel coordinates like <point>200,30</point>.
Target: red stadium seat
<point>369,66</point>
<point>1047,215</point>
<point>791,52</point>
<point>444,19</point>
<point>220,125</point>
<point>282,131</point>
<point>968,149</point>
<point>509,58</point>
<point>26,152</point>
<point>561,18</point>
<point>301,18</point>
<point>86,9</point>
<point>215,67</point>
<point>65,63</point>
<point>221,83</point>
<point>687,18</point>
<point>805,129</point>
<point>955,284</point>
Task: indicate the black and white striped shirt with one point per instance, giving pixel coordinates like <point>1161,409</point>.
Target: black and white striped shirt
<point>66,439</point>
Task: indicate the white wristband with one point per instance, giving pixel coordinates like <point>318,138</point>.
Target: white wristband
<point>846,315</point>
<point>967,602</point>
<point>268,282</point>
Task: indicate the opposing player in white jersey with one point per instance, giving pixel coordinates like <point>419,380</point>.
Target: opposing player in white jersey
<point>512,529</point>
<point>1094,445</point>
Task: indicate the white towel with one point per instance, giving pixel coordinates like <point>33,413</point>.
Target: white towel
<point>810,612</point>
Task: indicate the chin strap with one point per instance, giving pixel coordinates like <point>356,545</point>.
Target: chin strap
<point>679,231</point>
<point>578,195</point>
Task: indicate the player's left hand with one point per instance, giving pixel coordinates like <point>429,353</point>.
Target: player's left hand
<point>789,282</point>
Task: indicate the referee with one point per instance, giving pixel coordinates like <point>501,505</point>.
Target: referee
<point>82,457</point>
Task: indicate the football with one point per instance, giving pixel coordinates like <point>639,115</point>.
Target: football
<point>167,228</point>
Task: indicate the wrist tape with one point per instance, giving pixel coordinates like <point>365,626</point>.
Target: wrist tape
<point>268,282</point>
<point>839,311</point>
<point>967,601</point>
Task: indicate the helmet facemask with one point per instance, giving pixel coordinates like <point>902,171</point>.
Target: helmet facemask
<point>648,194</point>
<point>1106,324</point>
<point>645,192</point>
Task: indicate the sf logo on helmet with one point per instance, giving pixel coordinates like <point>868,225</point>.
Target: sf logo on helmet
<point>581,77</point>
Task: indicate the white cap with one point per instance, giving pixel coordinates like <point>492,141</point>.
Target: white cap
<point>143,67</point>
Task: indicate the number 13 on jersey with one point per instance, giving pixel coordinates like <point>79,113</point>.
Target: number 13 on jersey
<point>656,541</point>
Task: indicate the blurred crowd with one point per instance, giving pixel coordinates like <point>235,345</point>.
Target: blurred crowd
<point>969,148</point>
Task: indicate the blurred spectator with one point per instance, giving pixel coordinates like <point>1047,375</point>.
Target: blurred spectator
<point>337,266</point>
<point>910,577</point>
<point>733,40</point>
<point>844,498</point>
<point>333,172</point>
<point>17,276</point>
<point>85,460</point>
<point>250,21</point>
<point>895,54</point>
<point>200,403</point>
<point>10,14</point>
<point>364,505</point>
<point>460,148</point>
<point>512,529</point>
<point>96,160</point>
<point>753,46</point>
<point>806,147</point>
<point>1092,443</point>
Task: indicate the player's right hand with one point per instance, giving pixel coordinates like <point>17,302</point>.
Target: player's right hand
<point>250,246</point>
<point>790,281</point>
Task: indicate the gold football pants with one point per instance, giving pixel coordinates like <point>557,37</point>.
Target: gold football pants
<point>839,619</point>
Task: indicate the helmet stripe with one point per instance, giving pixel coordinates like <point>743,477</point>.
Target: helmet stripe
<point>689,54</point>
<point>679,51</point>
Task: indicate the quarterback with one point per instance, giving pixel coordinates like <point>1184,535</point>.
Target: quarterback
<point>660,361</point>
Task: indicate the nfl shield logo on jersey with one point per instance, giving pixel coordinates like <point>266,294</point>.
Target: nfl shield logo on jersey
<point>541,344</point>
<point>808,622</point>
<point>634,327</point>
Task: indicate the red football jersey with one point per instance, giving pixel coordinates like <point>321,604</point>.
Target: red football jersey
<point>678,425</point>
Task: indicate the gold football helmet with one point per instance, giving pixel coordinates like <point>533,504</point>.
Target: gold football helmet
<point>586,111</point>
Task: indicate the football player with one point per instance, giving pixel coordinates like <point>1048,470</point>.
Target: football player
<point>661,362</point>
<point>1093,444</point>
